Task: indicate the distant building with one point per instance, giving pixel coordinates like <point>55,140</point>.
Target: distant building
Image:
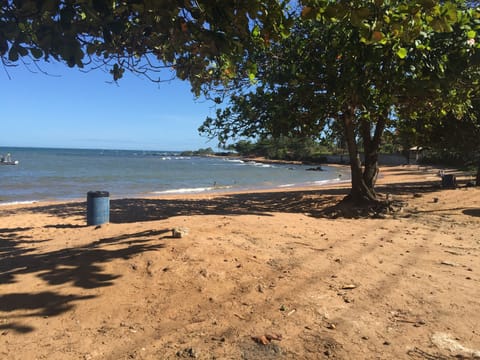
<point>416,154</point>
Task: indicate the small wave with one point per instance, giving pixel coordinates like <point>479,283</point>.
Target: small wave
<point>323,182</point>
<point>251,163</point>
<point>19,202</point>
<point>257,164</point>
<point>331,181</point>
<point>235,161</point>
<point>311,183</point>
<point>287,185</point>
<point>193,190</point>
<point>184,191</point>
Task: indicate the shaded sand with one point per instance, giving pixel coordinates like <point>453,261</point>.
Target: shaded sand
<point>267,265</point>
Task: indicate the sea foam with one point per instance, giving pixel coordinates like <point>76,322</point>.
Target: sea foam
<point>19,203</point>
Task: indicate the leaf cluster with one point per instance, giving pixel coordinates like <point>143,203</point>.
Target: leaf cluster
<point>200,40</point>
<point>387,60</point>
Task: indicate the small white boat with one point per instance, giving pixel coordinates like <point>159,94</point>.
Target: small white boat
<point>7,160</point>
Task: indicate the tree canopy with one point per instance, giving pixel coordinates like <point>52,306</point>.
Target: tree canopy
<point>359,66</point>
<point>200,40</point>
<point>449,139</point>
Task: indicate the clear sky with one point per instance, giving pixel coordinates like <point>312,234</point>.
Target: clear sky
<point>73,109</point>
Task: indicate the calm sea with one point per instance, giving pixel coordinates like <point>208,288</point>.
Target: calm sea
<point>65,174</point>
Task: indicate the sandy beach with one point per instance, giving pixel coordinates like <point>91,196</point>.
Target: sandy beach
<point>257,275</point>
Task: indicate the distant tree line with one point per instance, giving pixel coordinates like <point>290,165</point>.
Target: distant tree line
<point>200,152</point>
<point>283,148</point>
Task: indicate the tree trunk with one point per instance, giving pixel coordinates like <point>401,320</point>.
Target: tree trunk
<point>371,146</point>
<point>360,192</point>
<point>477,180</point>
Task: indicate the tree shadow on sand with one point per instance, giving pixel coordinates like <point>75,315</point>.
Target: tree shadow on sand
<point>262,204</point>
<point>82,266</point>
<point>472,212</point>
<point>79,266</point>
<point>316,203</point>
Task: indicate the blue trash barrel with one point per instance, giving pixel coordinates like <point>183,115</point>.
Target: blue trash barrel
<point>449,181</point>
<point>98,207</point>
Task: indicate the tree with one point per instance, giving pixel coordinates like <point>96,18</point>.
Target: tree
<point>200,40</point>
<point>358,64</point>
<point>281,148</point>
<point>451,139</point>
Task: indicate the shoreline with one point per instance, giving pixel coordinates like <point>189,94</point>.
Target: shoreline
<point>179,193</point>
<point>208,190</point>
<point>386,176</point>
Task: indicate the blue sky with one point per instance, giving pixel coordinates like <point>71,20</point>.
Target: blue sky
<point>70,108</point>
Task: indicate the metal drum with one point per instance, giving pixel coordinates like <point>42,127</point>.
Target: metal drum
<point>98,207</point>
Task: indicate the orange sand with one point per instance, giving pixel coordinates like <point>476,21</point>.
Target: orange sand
<point>268,265</point>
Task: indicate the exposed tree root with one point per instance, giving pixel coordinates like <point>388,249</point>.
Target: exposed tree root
<point>366,208</point>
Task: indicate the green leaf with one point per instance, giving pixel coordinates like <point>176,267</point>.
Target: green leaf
<point>471,34</point>
<point>91,49</point>
<point>22,51</point>
<point>13,54</point>
<point>36,53</point>
<point>402,53</point>
<point>451,12</point>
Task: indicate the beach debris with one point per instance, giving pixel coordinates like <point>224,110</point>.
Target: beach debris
<point>331,326</point>
<point>448,263</point>
<point>204,273</point>
<point>262,339</point>
<point>404,317</point>
<point>448,342</point>
<point>349,287</point>
<point>291,312</point>
<point>188,353</point>
<point>277,337</point>
<point>179,232</point>
<point>149,268</point>
<point>267,338</point>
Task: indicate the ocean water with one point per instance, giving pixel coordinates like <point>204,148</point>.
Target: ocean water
<point>67,174</point>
